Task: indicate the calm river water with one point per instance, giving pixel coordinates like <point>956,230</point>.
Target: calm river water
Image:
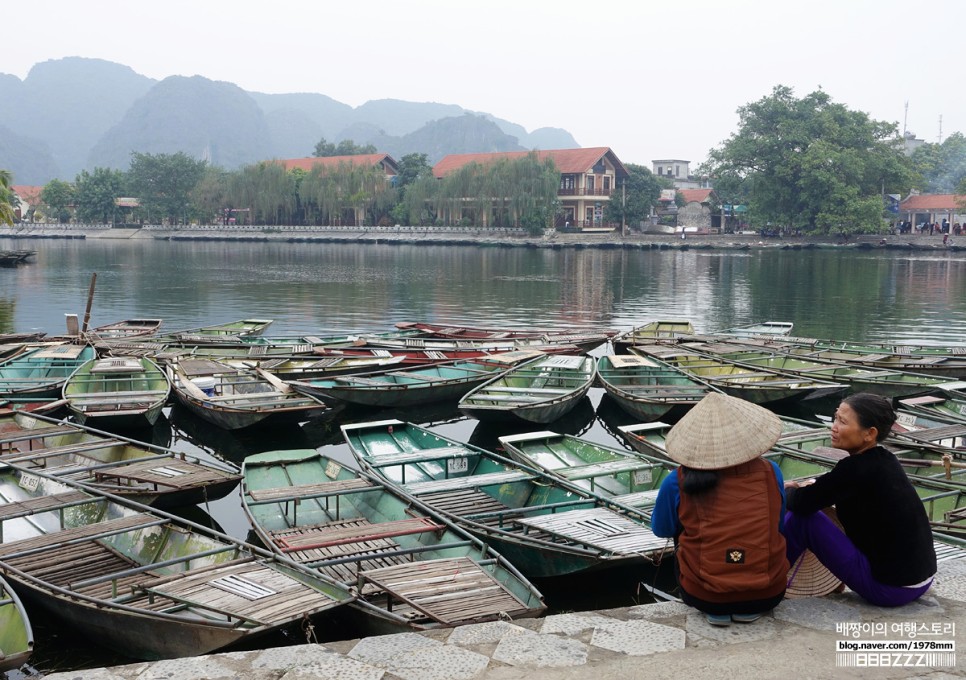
<point>323,289</point>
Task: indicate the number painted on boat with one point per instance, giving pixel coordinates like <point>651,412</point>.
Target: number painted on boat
<point>29,482</point>
<point>458,465</point>
<point>906,419</point>
<point>332,469</point>
<point>962,409</point>
<point>642,477</point>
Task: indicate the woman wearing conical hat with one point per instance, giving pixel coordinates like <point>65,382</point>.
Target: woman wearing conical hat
<point>884,549</point>
<point>724,507</point>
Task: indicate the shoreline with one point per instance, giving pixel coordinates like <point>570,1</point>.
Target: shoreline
<point>462,236</point>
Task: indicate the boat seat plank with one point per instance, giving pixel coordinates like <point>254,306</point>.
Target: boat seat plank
<point>351,380</point>
<point>468,482</point>
<point>484,393</point>
<point>327,535</point>
<point>420,456</point>
<point>934,433</point>
<point>66,449</point>
<point>422,377</point>
<point>123,394</point>
<point>446,590</point>
<point>637,499</point>
<point>463,502</point>
<point>481,398</point>
<point>628,360</point>
<point>46,503</point>
<point>303,491</point>
<point>241,396</point>
<point>170,473</point>
<point>18,434</point>
<point>599,528</point>
<point>610,467</point>
<point>87,531</point>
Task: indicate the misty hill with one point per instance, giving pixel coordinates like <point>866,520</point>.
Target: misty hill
<point>73,114</point>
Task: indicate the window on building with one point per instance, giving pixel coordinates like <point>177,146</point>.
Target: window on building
<point>590,184</point>
<point>606,184</point>
<point>568,182</point>
<point>677,170</point>
<point>660,170</point>
<point>589,216</point>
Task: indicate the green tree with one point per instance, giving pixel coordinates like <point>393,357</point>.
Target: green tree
<point>267,190</point>
<point>96,192</point>
<point>346,147</point>
<point>163,184</point>
<point>631,203</point>
<point>8,201</point>
<point>209,197</point>
<point>58,196</point>
<point>811,163</point>
<point>942,166</point>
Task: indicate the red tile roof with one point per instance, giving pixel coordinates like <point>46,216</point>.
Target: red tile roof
<point>28,194</point>
<point>568,161</point>
<point>696,195</point>
<point>929,202</point>
<point>370,159</point>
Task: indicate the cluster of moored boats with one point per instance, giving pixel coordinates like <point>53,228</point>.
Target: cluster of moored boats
<point>424,530</point>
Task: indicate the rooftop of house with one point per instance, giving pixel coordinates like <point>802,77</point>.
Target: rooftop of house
<point>696,195</point>
<point>927,202</point>
<point>567,161</point>
<point>369,159</point>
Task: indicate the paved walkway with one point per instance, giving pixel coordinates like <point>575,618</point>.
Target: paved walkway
<point>668,640</point>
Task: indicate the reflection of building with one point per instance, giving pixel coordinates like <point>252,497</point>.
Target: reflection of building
<point>588,180</point>
<point>679,172</point>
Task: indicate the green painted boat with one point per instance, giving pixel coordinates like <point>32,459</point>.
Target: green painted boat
<point>766,328</point>
<point>144,583</point>
<point>124,330</point>
<point>543,525</point>
<point>117,392</point>
<point>647,389</point>
<point>140,472</point>
<point>763,387</point>
<point>413,386</point>
<point>631,479</point>
<point>950,405</point>
<point>235,399</point>
<point>217,332</point>
<point>888,383</point>
<point>583,342</point>
<point>411,567</point>
<point>40,373</point>
<point>538,391</point>
<point>16,635</point>
<point>314,367</point>
<point>650,331</point>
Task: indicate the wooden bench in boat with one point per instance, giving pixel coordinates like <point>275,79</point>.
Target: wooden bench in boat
<point>79,534</point>
<point>45,503</point>
<point>445,590</point>
<point>169,473</point>
<point>132,394</point>
<point>931,434</point>
<point>483,394</point>
<point>350,380</point>
<point>20,434</point>
<point>601,529</point>
<point>281,494</point>
<point>637,499</point>
<point>328,535</point>
<point>421,377</point>
<point>468,482</point>
<point>420,456</point>
<point>610,467</point>
<point>66,449</point>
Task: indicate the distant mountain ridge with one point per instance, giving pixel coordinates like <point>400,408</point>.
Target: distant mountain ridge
<point>76,113</point>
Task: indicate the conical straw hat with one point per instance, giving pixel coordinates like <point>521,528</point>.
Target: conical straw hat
<point>721,432</point>
<point>810,578</point>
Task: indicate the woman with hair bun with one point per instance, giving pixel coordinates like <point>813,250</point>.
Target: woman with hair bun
<point>884,550</point>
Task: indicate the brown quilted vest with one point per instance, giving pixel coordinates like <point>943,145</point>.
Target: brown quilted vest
<point>730,548</point>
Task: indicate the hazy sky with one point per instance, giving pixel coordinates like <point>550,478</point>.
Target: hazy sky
<point>649,79</point>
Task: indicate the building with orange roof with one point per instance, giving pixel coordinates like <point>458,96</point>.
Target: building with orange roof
<point>589,178</point>
<point>932,208</point>
<point>29,200</point>
<point>383,160</point>
<point>697,212</point>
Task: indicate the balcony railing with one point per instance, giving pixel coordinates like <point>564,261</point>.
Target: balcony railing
<point>578,191</point>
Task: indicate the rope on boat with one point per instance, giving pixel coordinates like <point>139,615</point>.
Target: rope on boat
<point>308,628</point>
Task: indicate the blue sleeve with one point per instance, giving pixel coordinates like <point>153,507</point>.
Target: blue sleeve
<point>781,489</point>
<point>664,518</point>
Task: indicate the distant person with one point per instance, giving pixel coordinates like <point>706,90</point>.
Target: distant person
<point>884,551</point>
<point>723,506</point>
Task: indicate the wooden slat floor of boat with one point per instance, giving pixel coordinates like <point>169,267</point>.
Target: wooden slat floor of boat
<point>78,447</point>
<point>468,482</point>
<point>283,493</point>
<point>171,473</point>
<point>344,533</point>
<point>599,528</point>
<point>946,551</point>
<point>932,434</point>
<point>447,590</point>
<point>14,433</point>
<point>419,456</point>
<point>637,499</point>
<point>367,552</point>
<point>45,503</point>
<point>610,467</point>
<point>470,502</point>
<point>88,530</point>
<point>284,598</point>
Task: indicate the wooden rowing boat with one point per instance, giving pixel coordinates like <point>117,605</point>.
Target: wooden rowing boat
<point>411,568</point>
<point>124,330</point>
<point>543,525</point>
<point>631,479</point>
<point>224,332</point>
<point>315,367</point>
<point>141,472</point>
<point>40,373</point>
<point>144,583</point>
<point>766,328</point>
<point>650,331</point>
<point>537,391</point>
<point>16,634</point>
<point>425,357</point>
<point>234,398</point>
<point>647,389</point>
<point>888,383</point>
<point>948,405</point>
<point>460,332</point>
<point>117,392</point>
<point>755,385</point>
<point>584,342</point>
<point>413,386</point>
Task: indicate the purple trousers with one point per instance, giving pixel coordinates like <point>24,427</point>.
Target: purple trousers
<point>840,556</point>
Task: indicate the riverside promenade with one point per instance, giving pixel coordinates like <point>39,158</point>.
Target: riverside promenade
<point>799,639</point>
<point>473,236</point>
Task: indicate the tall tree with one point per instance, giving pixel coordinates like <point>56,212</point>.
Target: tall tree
<point>163,183</point>
<point>8,205</point>
<point>812,164</point>
<point>632,203</point>
<point>96,193</point>
<point>58,196</point>
<point>346,147</point>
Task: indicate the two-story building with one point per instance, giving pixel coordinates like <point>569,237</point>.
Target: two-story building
<point>589,178</point>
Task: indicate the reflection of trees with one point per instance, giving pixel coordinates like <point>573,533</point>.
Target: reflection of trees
<point>7,308</point>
